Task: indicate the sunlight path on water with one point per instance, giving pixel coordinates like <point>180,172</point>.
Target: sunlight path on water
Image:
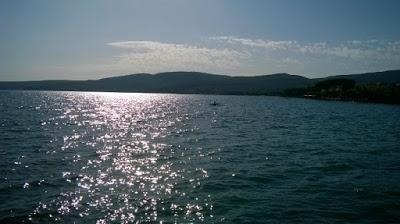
<point>121,167</point>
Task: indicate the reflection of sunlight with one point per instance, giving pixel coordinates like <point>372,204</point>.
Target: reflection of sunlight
<point>125,164</point>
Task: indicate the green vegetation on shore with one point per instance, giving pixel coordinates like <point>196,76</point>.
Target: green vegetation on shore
<point>348,90</point>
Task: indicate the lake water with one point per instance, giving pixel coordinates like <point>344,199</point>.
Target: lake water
<point>163,158</point>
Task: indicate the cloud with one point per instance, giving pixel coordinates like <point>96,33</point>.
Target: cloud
<point>319,58</point>
<point>355,49</point>
<point>239,56</point>
<point>152,56</point>
<point>258,43</point>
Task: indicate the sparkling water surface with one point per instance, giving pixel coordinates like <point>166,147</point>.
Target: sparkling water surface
<point>82,157</point>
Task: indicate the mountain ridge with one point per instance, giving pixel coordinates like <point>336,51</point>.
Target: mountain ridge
<point>195,83</point>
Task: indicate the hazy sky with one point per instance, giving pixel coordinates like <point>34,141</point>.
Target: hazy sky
<point>77,39</point>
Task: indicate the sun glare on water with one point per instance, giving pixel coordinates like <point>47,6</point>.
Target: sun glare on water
<point>120,164</point>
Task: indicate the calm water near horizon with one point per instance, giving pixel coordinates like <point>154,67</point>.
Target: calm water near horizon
<point>85,157</point>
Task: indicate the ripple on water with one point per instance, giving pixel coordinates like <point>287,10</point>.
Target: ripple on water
<point>120,163</point>
<point>126,158</point>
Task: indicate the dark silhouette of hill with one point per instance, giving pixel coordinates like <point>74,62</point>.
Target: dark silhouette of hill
<point>347,90</point>
<point>372,77</point>
<point>195,82</point>
<point>171,82</point>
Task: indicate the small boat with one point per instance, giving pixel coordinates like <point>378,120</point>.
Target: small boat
<point>214,103</point>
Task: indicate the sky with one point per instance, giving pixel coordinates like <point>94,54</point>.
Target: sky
<point>74,39</point>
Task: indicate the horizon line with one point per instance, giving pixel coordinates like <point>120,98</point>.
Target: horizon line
<point>232,76</point>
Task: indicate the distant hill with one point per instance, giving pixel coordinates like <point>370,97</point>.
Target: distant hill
<point>194,82</point>
<point>373,77</point>
<point>380,88</point>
